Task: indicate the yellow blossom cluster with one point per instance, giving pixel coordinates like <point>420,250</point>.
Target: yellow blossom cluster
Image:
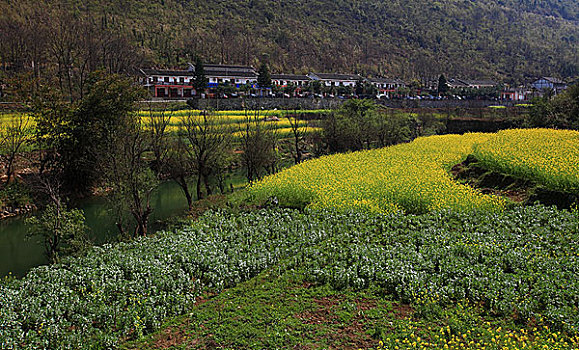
<point>410,177</point>
<point>488,337</point>
<point>549,157</point>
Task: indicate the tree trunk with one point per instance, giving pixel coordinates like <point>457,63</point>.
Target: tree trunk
<point>207,185</point>
<point>183,184</point>
<point>8,172</point>
<point>142,219</point>
<point>199,193</point>
<point>298,158</point>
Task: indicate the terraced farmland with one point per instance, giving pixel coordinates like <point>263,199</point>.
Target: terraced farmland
<point>386,251</point>
<point>415,177</point>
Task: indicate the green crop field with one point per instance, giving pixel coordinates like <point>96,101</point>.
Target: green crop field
<point>467,275</point>
<point>385,251</point>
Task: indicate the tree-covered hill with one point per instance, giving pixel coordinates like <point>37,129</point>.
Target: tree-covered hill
<point>513,40</point>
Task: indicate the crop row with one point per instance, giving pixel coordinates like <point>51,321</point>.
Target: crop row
<point>233,116</point>
<point>521,263</point>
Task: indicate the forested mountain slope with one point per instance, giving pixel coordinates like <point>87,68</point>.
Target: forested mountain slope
<point>512,40</point>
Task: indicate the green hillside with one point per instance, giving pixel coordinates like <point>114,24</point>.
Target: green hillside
<point>512,40</point>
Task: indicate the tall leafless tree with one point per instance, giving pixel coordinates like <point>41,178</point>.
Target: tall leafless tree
<point>158,122</point>
<point>14,135</point>
<point>208,145</point>
<point>299,132</point>
<point>258,140</point>
<point>128,176</point>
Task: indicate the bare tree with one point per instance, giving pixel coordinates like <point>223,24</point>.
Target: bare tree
<point>179,169</point>
<point>208,144</point>
<point>258,145</point>
<point>299,132</point>
<point>14,135</point>
<point>128,175</point>
<point>158,127</point>
<point>62,48</point>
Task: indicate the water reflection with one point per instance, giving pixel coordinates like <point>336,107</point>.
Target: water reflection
<point>18,254</point>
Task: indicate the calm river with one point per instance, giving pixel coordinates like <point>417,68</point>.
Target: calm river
<point>18,254</point>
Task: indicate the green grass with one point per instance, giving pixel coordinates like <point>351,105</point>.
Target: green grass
<point>283,310</point>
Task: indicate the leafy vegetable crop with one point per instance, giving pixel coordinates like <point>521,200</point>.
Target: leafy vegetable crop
<point>521,262</point>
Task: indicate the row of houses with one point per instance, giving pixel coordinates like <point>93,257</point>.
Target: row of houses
<point>536,88</point>
<point>179,83</point>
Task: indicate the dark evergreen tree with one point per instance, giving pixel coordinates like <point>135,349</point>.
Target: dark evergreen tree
<point>442,85</point>
<point>200,80</point>
<point>263,76</point>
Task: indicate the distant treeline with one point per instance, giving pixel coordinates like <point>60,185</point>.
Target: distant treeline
<point>509,41</point>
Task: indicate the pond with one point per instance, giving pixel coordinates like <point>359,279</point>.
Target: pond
<point>19,254</point>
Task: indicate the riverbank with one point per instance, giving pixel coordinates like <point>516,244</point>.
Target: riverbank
<point>18,254</point>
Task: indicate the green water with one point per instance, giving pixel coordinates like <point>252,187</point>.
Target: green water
<point>18,254</point>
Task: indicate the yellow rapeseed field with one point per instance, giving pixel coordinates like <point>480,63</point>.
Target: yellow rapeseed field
<point>414,177</point>
<point>546,156</point>
<point>410,177</point>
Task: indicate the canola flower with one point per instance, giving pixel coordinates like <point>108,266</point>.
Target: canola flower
<point>235,121</point>
<point>414,177</point>
<point>227,117</point>
<point>230,121</point>
<point>546,156</point>
<point>409,177</point>
<point>489,337</point>
<point>8,119</point>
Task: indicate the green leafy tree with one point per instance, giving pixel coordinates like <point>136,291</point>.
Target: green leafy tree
<point>360,88</point>
<point>392,127</point>
<point>561,111</point>
<point>102,113</point>
<point>53,129</point>
<point>352,127</point>
<point>442,85</point>
<point>62,231</point>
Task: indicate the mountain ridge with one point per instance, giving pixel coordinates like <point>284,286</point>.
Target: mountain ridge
<point>509,40</point>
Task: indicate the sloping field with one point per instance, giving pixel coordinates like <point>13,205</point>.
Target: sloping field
<point>468,275</point>
<point>549,157</point>
<point>414,177</point>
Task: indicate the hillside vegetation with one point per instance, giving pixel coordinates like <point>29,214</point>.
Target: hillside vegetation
<point>510,39</point>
